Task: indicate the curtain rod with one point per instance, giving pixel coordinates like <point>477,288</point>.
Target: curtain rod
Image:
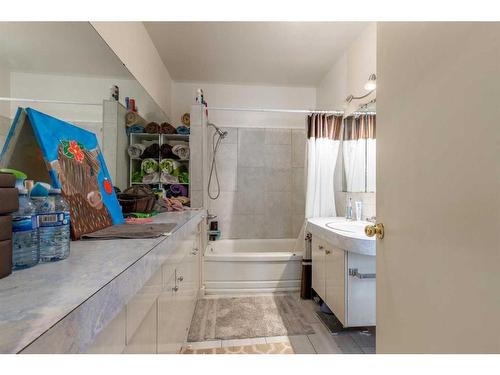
<point>275,110</point>
<point>3,99</point>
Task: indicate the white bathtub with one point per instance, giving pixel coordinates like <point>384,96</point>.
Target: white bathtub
<point>251,266</point>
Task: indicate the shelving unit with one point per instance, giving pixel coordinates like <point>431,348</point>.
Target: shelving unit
<point>172,140</point>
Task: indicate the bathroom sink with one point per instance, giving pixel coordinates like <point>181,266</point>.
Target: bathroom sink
<point>348,226</point>
<point>348,235</point>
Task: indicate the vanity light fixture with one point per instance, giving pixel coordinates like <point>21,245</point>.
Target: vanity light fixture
<point>370,86</point>
<point>372,83</point>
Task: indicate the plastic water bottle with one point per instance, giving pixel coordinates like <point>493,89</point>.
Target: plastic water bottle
<point>25,246</point>
<point>53,222</point>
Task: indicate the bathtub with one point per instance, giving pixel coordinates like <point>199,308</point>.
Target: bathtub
<point>251,266</point>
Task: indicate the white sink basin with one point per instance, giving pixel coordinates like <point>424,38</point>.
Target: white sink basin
<point>348,235</point>
<point>357,227</point>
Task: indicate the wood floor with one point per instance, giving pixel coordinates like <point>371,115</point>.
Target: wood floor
<point>319,342</point>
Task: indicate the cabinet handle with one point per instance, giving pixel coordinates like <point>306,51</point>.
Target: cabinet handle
<point>328,252</point>
<point>321,247</point>
<point>180,278</point>
<point>194,252</point>
<point>175,288</point>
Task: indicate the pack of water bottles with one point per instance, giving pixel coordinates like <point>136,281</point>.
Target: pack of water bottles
<point>41,229</point>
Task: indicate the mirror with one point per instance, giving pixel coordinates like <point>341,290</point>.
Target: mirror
<point>66,70</point>
<point>358,151</point>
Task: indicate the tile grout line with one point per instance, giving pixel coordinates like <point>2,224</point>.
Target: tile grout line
<point>312,345</point>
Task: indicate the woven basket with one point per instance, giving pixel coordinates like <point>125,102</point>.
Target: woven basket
<point>138,198</point>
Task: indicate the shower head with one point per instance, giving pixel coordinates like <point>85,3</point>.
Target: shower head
<point>222,134</point>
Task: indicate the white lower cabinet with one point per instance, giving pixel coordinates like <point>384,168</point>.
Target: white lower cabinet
<point>111,340</point>
<point>318,265</point>
<point>158,317</point>
<point>144,338</point>
<point>345,282</point>
<point>335,282</point>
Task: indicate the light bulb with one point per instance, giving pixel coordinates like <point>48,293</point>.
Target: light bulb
<point>372,83</point>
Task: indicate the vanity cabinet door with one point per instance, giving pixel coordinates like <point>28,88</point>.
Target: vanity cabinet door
<point>335,266</point>
<point>318,266</point>
<point>112,339</point>
<point>167,315</point>
<point>144,339</point>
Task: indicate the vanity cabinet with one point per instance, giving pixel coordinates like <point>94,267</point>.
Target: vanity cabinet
<point>177,301</point>
<point>157,318</point>
<point>345,282</point>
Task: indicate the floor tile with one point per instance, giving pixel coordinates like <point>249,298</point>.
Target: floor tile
<point>301,344</point>
<point>243,342</point>
<point>368,350</point>
<point>323,341</point>
<point>363,338</point>
<point>346,343</point>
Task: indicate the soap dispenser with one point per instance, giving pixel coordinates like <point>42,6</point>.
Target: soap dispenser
<point>348,209</point>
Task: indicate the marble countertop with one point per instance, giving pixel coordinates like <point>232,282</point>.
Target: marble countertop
<point>35,299</point>
<point>349,241</point>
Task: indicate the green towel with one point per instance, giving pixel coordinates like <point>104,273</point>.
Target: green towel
<point>149,166</point>
<point>170,166</point>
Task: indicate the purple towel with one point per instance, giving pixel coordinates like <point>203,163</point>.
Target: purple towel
<point>177,189</point>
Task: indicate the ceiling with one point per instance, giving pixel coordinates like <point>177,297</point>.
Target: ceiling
<point>277,53</point>
<point>65,48</point>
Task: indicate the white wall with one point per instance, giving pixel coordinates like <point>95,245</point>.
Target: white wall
<point>350,73</point>
<point>77,88</point>
<point>130,41</point>
<point>4,106</point>
<point>348,76</point>
<point>231,95</point>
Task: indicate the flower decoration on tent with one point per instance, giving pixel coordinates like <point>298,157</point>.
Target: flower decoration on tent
<point>73,150</point>
<point>108,188</point>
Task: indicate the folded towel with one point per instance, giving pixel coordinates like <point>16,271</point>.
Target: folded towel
<point>167,178</point>
<point>9,200</point>
<point>184,177</point>
<point>7,180</point>
<point>151,178</point>
<point>183,130</point>
<point>153,128</point>
<point>133,118</point>
<point>170,166</point>
<point>166,128</point>
<point>6,227</point>
<point>166,152</point>
<point>182,151</point>
<point>152,151</point>
<point>135,129</point>
<point>176,189</point>
<point>136,150</point>
<point>149,166</point>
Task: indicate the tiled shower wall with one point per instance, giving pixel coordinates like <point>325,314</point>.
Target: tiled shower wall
<point>262,179</point>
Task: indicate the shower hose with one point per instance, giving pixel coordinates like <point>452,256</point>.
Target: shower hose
<point>213,168</point>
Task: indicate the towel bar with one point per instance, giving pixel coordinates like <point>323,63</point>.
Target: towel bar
<point>354,273</point>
